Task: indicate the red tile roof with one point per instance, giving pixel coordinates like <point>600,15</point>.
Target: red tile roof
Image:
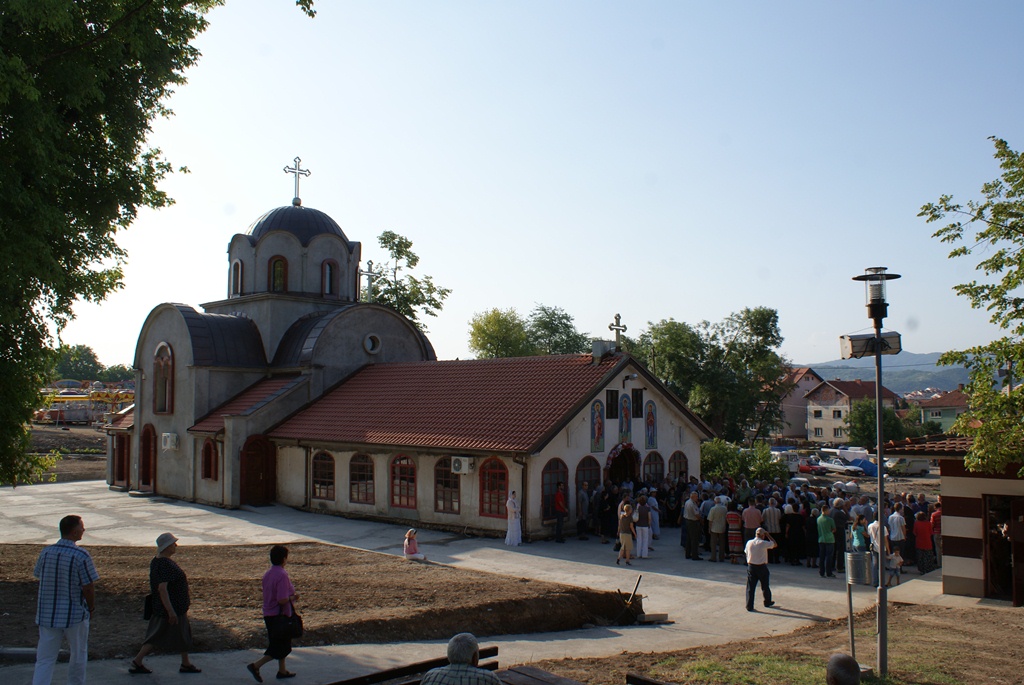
<point>247,401</point>
<point>945,445</point>
<point>952,399</point>
<point>508,405</point>
<point>796,374</point>
<point>858,389</point>
<point>123,420</point>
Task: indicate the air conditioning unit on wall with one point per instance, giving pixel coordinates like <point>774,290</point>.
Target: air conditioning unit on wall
<point>168,442</point>
<point>462,465</point>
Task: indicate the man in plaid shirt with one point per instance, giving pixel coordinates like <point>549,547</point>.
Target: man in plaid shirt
<point>463,656</point>
<point>67,599</point>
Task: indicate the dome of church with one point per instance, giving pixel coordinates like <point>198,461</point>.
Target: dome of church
<point>304,223</point>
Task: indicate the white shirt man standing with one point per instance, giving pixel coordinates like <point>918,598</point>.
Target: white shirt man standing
<point>757,566</point>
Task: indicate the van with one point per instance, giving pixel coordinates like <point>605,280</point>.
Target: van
<point>908,467</point>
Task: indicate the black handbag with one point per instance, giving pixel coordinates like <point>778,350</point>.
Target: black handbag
<point>288,626</point>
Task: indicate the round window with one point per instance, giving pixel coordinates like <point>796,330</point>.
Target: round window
<point>372,344</point>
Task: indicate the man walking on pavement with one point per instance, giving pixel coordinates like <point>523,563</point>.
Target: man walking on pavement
<point>757,567</point>
<point>67,600</point>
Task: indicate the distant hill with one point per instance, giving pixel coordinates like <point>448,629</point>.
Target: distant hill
<point>901,373</point>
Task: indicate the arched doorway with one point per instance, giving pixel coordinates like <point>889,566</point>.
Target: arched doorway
<point>147,460</point>
<point>623,464</point>
<point>258,472</point>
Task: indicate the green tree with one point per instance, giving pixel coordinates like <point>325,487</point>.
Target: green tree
<point>499,333</point>
<point>730,373</point>
<point>991,228</point>
<point>78,362</point>
<point>411,296</point>
<point>551,330</point>
<point>80,86</point>
<point>861,423</point>
<point>719,457</point>
<point>117,373</point>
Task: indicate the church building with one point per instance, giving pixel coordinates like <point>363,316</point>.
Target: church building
<point>292,390</point>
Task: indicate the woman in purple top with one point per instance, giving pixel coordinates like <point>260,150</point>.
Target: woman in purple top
<point>278,598</point>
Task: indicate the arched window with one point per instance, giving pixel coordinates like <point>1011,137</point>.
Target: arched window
<point>329,278</point>
<point>236,278</point>
<point>493,487</point>
<point>277,275</point>
<point>210,469</point>
<point>555,472</point>
<point>446,487</point>
<point>678,466</point>
<point>163,380</point>
<point>654,468</point>
<point>403,482</point>
<point>323,476</point>
<point>360,479</point>
<point>589,470</point>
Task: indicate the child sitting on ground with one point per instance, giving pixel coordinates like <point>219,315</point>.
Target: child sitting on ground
<point>893,562</point>
<point>411,548</point>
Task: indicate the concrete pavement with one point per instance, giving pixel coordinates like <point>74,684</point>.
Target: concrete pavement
<point>705,600</point>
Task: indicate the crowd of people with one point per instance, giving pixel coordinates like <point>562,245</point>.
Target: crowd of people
<point>811,526</point>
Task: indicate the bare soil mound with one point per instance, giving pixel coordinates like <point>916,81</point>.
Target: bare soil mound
<point>347,596</point>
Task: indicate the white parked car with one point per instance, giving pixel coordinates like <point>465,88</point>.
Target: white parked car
<point>839,466</point>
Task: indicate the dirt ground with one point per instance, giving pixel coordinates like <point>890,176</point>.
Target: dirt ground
<point>955,646</point>
<point>347,596</point>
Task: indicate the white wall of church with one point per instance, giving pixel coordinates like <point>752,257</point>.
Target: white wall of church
<point>675,432</point>
<point>295,488</point>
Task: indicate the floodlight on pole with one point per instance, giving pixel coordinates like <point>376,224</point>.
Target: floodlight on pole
<point>874,279</point>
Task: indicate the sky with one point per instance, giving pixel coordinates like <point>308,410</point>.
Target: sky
<point>655,159</point>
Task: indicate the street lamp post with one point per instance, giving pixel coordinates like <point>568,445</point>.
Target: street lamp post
<point>874,280</point>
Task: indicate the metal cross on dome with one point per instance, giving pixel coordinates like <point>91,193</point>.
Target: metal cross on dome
<point>618,328</point>
<point>298,171</point>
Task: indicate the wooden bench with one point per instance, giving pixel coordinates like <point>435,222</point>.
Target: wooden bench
<point>417,670</point>
<point>531,675</point>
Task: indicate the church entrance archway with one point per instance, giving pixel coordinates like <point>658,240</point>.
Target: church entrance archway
<point>623,464</point>
<point>147,460</point>
<point>258,472</point>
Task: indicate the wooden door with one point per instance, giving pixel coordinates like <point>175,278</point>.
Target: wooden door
<point>122,457</point>
<point>258,472</point>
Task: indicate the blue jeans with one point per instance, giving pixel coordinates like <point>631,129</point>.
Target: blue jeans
<point>826,554</point>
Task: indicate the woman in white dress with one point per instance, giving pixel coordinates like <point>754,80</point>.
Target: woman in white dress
<point>514,536</point>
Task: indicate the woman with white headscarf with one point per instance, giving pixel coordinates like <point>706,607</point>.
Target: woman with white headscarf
<point>514,536</point>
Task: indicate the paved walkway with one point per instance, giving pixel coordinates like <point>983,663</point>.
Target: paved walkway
<point>705,600</point>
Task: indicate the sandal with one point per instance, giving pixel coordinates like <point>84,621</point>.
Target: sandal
<point>138,669</point>
<point>255,672</point>
<point>191,668</point>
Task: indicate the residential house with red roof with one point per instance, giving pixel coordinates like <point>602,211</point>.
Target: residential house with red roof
<point>291,390</point>
<point>799,381</point>
<point>944,409</point>
<point>829,404</point>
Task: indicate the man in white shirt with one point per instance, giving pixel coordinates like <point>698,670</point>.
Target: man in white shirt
<point>879,540</point>
<point>898,529</point>
<point>757,566</point>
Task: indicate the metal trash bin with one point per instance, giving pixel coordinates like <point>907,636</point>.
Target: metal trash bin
<point>858,568</point>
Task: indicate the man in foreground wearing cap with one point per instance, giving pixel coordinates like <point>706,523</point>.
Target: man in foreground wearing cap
<point>757,566</point>
<point>463,657</point>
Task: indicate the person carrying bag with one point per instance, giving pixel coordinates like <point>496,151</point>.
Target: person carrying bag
<point>279,615</point>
